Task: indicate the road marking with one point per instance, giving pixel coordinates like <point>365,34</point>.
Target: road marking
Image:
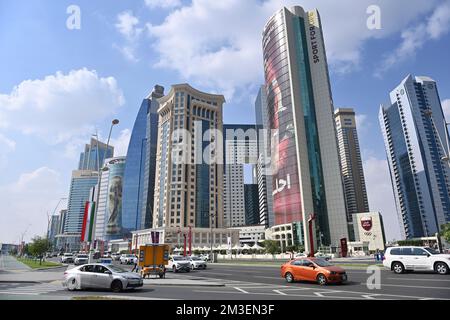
<point>422,279</point>
<point>280,292</point>
<point>418,287</point>
<point>220,274</point>
<point>278,278</point>
<point>241,290</point>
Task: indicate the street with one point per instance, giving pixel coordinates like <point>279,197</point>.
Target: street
<point>236,282</point>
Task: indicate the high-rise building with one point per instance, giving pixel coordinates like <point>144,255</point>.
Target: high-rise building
<point>53,228</point>
<point>415,137</point>
<point>251,197</point>
<point>108,220</point>
<point>263,172</point>
<point>139,173</point>
<point>80,186</point>
<point>94,153</point>
<point>305,161</point>
<point>189,170</point>
<point>240,149</point>
<point>351,165</point>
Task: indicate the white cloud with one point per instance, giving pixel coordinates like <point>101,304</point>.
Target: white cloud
<point>121,143</point>
<point>380,194</point>
<point>153,4</point>
<point>362,123</point>
<point>414,38</point>
<point>6,146</point>
<point>127,26</point>
<point>61,106</point>
<point>446,108</point>
<point>25,204</point>
<point>217,44</point>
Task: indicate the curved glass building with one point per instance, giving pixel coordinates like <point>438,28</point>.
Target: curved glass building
<point>139,171</point>
<point>305,162</point>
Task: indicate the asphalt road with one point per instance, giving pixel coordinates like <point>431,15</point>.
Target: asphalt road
<point>256,283</point>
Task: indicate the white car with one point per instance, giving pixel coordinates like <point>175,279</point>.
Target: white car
<point>67,258</point>
<point>128,259</point>
<point>197,263</point>
<point>400,259</point>
<point>81,259</point>
<point>179,263</point>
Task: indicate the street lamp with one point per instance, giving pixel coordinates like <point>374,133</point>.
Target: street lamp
<point>104,169</point>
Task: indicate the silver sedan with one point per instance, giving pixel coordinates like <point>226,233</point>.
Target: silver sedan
<point>101,276</point>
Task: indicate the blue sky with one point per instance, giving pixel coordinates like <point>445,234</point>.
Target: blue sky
<point>57,85</point>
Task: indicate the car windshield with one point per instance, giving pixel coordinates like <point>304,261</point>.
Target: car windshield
<point>67,254</point>
<point>179,258</point>
<point>432,251</point>
<point>130,255</point>
<point>322,263</point>
<point>82,256</point>
<point>196,258</point>
<point>117,269</point>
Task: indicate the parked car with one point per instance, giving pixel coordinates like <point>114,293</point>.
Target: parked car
<point>101,276</point>
<point>197,263</point>
<point>115,256</point>
<point>323,255</point>
<point>411,258</point>
<point>128,259</point>
<point>301,255</point>
<point>179,263</point>
<point>81,259</point>
<point>313,269</point>
<point>67,258</point>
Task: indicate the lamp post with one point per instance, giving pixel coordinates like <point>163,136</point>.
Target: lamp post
<point>113,123</point>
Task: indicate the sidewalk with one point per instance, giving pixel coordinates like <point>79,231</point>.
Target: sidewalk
<point>9,263</point>
<point>29,276</point>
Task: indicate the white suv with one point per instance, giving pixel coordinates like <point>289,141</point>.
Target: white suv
<point>179,263</point>
<point>400,259</point>
<point>128,259</point>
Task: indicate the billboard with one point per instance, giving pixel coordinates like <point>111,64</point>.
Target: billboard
<point>286,189</point>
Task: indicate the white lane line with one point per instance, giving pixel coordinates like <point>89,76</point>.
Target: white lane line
<point>422,279</point>
<point>405,286</point>
<point>220,274</point>
<point>241,290</point>
<point>280,292</point>
<point>29,292</point>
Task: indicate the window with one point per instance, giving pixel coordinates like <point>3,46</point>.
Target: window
<point>395,252</point>
<point>406,251</point>
<point>297,262</point>
<point>419,252</point>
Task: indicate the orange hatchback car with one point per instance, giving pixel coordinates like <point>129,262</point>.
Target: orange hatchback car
<point>312,269</point>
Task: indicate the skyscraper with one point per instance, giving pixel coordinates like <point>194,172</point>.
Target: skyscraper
<point>251,197</point>
<point>351,164</point>
<point>80,186</point>
<point>140,165</point>
<point>415,137</point>
<point>94,153</point>
<point>306,173</point>
<point>240,148</point>
<point>189,173</point>
<point>263,172</point>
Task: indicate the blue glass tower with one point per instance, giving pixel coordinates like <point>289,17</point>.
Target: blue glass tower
<point>415,136</point>
<point>89,158</point>
<point>139,171</point>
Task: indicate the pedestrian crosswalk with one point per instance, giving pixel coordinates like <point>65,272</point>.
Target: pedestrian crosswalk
<point>33,289</point>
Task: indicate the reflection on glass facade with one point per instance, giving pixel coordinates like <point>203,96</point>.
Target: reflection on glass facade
<point>150,157</point>
<point>415,137</point>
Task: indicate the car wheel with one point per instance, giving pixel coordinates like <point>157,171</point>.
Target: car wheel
<point>174,269</point>
<point>398,268</point>
<point>289,277</point>
<point>441,268</point>
<point>116,286</point>
<point>321,279</point>
<point>72,284</point>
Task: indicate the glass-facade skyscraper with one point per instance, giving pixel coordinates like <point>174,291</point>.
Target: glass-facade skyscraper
<point>89,159</point>
<point>415,137</point>
<point>305,161</point>
<point>139,172</point>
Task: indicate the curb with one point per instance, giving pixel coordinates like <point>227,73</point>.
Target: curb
<point>49,268</point>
